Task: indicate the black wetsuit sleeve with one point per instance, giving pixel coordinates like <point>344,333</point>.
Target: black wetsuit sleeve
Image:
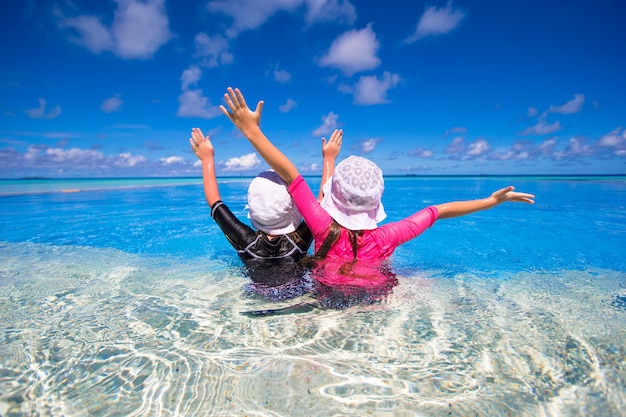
<point>239,235</point>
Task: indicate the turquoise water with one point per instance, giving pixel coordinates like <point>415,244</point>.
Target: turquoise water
<point>124,298</point>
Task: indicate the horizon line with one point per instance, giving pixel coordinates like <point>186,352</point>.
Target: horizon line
<point>30,178</point>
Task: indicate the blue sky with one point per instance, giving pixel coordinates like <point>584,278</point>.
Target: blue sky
<point>113,88</point>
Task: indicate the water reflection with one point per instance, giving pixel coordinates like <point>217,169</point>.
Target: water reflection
<point>333,284</point>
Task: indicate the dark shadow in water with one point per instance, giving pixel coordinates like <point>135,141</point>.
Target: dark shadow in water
<point>336,285</point>
<point>619,302</point>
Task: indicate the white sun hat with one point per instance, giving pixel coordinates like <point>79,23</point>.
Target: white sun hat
<point>352,196</point>
<point>271,208</point>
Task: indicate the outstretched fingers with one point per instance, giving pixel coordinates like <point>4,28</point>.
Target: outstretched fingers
<point>234,99</point>
<point>507,194</point>
<point>332,146</point>
<point>226,112</point>
<point>197,135</point>
<point>229,101</point>
<point>240,100</point>
<point>235,102</point>
<point>522,198</point>
<point>193,140</point>
<point>337,137</point>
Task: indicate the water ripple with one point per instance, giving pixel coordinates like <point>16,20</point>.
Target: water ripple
<point>92,332</point>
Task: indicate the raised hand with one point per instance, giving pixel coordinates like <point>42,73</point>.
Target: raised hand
<point>330,151</point>
<point>508,195</point>
<point>247,122</point>
<point>331,148</point>
<point>201,145</point>
<point>239,113</point>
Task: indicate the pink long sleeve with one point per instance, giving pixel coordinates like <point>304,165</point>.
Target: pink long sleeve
<point>373,244</point>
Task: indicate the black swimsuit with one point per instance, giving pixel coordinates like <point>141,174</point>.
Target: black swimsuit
<point>269,262</point>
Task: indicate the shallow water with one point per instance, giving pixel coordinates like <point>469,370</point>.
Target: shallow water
<point>130,302</point>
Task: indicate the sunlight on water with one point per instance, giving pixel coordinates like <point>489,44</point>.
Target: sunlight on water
<point>100,332</point>
<point>130,302</point>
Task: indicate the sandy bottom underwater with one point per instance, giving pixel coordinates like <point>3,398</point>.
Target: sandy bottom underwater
<point>100,332</point>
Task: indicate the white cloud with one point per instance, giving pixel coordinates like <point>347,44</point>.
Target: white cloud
<point>614,141</point>
<point>437,21</point>
<point>288,106</point>
<point>542,128</point>
<point>526,150</point>
<point>40,112</point>
<point>420,153</point>
<point>502,156</point>
<point>610,144</point>
<point>170,160</point>
<point>190,76</point>
<point>92,34</point>
<point>41,157</point>
<point>368,145</point>
<point>458,151</point>
<point>249,14</point>
<point>214,51</point>
<point>371,90</point>
<point>192,102</point>
<point>112,104</point>
<point>243,163</point>
<point>72,154</point>
<point>575,149</point>
<point>329,123</point>
<point>126,159</point>
<point>42,160</point>
<point>571,107</point>
<point>353,51</point>
<point>616,137</point>
<point>330,11</point>
<point>282,76</point>
<point>532,112</point>
<point>457,146</point>
<point>138,30</point>
<point>477,148</point>
<point>547,146</point>
<point>311,168</point>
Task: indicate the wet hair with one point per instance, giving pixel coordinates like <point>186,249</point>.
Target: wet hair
<point>333,236</point>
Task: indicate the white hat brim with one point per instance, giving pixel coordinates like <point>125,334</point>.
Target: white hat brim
<point>352,219</point>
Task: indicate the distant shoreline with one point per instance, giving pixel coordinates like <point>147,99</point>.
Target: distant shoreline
<point>37,178</point>
<point>44,185</point>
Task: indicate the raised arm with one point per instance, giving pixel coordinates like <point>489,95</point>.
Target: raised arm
<point>330,151</point>
<point>461,208</point>
<point>247,122</point>
<point>203,148</point>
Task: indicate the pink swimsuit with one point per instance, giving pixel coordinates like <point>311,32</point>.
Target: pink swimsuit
<point>374,244</point>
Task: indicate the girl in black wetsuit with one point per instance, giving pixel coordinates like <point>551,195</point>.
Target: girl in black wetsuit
<point>273,252</point>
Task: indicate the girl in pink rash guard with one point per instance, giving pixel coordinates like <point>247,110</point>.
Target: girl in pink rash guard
<point>345,224</point>
<point>337,225</point>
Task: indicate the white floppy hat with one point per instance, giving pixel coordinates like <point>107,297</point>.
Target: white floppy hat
<point>352,196</point>
<point>271,208</point>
